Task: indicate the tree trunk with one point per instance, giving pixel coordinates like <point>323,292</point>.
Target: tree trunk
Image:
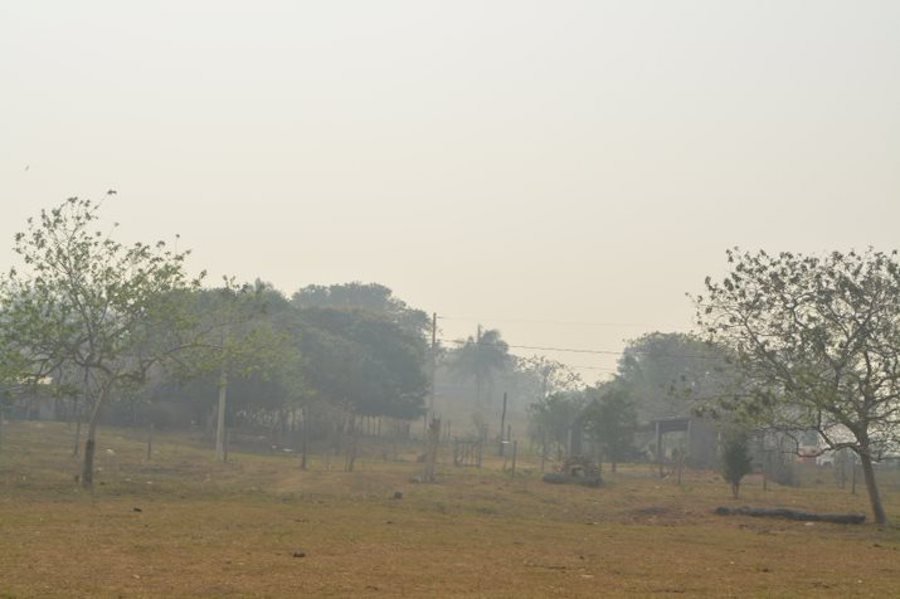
<point>78,412</point>
<point>305,444</point>
<point>77,448</point>
<point>432,441</point>
<point>502,427</point>
<point>90,444</point>
<point>220,421</point>
<point>735,489</point>
<point>872,488</point>
<point>351,450</point>
<point>87,464</point>
<point>543,449</point>
<point>150,442</point>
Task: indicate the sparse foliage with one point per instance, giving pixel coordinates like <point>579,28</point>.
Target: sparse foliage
<point>84,302</point>
<point>546,376</point>
<point>818,340</point>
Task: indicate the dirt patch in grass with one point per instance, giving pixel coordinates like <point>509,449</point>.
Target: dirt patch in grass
<point>662,515</point>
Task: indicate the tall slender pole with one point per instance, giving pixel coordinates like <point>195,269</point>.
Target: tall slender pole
<point>477,365</point>
<point>221,431</point>
<point>503,425</point>
<point>304,446</point>
<point>543,448</point>
<point>76,451</point>
<point>221,450</point>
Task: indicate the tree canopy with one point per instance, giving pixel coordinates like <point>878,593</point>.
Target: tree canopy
<point>364,361</point>
<point>370,297</point>
<point>818,339</point>
<point>480,359</point>
<point>237,336</point>
<point>84,303</point>
<point>672,374</point>
<point>610,419</point>
<point>551,418</point>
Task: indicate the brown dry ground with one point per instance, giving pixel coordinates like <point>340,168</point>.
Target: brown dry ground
<point>211,530</point>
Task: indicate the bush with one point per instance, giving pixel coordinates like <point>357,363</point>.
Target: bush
<point>735,459</point>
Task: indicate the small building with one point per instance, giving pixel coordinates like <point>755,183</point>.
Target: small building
<point>698,438</point>
<point>659,441</point>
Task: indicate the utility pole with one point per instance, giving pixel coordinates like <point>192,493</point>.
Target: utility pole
<point>221,432</point>
<point>503,426</point>
<point>478,356</point>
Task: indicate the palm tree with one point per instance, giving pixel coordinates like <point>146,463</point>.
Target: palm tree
<point>480,358</point>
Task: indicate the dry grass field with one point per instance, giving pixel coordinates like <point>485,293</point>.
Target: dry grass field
<point>180,525</point>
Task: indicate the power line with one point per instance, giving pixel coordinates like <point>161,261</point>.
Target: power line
<point>605,352</point>
<point>535,347</point>
<point>568,349</point>
<point>550,321</point>
<point>539,348</point>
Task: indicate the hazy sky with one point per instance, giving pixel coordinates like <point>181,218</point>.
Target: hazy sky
<point>563,171</point>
